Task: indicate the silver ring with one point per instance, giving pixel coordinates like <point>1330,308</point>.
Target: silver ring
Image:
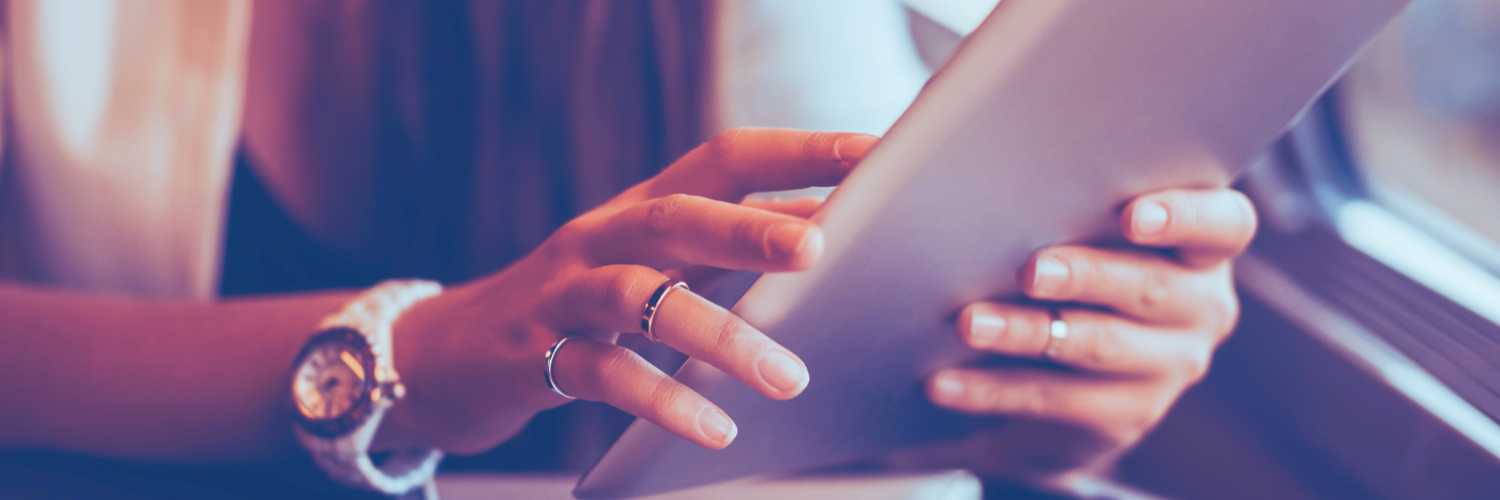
<point>648,316</point>
<point>552,355</point>
<point>1057,331</point>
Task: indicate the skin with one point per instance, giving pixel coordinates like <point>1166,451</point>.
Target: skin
<point>594,277</point>
<point>207,382</point>
<point>1149,332</point>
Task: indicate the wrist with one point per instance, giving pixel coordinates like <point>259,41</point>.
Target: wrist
<point>402,427</point>
<point>346,385</point>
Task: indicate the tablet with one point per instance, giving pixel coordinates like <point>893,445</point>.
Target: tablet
<point>1047,119</point>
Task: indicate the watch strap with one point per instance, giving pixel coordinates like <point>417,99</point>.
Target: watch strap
<point>347,459</point>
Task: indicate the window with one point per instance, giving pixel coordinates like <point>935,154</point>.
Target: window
<point>1421,110</point>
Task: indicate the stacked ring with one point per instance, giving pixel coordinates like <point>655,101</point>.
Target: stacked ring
<point>550,357</point>
<point>648,316</point>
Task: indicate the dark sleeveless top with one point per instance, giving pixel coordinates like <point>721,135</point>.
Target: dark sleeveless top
<point>498,121</point>
<point>591,97</point>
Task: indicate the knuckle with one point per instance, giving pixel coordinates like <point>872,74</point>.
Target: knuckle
<point>1222,314</point>
<point>749,233</point>
<point>1103,347</point>
<point>664,396</point>
<point>978,395</point>
<point>723,157</point>
<point>613,364</point>
<point>568,239</point>
<point>1231,314</point>
<point>722,145</point>
<point>723,332</point>
<point>1227,316</point>
<point>522,336</point>
<point>1199,364</point>
<point>1194,364</point>
<point>1155,287</point>
<point>1157,411</point>
<point>1132,425</point>
<point>627,289</point>
<point>1033,400</point>
<point>568,232</point>
<point>661,214</point>
<point>721,152</point>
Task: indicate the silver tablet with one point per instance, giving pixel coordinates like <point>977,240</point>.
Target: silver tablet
<point>1039,128</point>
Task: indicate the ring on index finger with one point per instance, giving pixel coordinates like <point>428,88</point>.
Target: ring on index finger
<point>1057,332</point>
<point>648,316</point>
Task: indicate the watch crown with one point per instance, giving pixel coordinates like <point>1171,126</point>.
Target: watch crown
<point>398,391</point>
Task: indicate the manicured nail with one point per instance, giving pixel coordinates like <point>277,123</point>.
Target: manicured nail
<point>985,329</point>
<point>786,240</point>
<point>716,426</point>
<point>1149,217</point>
<point>850,150</point>
<point>781,372</point>
<point>947,388</point>
<point>1049,276</point>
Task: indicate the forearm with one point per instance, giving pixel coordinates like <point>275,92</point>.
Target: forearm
<point>155,380</point>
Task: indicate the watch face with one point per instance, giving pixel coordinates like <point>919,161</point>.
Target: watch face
<point>332,381</point>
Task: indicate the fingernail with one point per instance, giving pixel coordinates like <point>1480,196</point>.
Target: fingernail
<point>786,240</point>
<point>985,329</point>
<point>852,149</point>
<point>1149,217</point>
<point>947,388</point>
<point>716,426</point>
<point>781,372</point>
<point>1049,275</point>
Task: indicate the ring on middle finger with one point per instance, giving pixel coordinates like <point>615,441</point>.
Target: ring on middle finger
<point>550,357</point>
<point>1057,332</point>
<point>648,316</point>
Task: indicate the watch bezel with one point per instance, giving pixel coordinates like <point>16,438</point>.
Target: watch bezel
<point>357,414</point>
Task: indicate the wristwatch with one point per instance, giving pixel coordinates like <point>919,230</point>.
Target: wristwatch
<point>344,381</point>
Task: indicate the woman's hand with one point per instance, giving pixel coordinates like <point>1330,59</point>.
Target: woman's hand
<point>472,358</point>
<point>1141,327</point>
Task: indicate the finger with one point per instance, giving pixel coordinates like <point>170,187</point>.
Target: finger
<point>1033,393</point>
<point>795,207</point>
<point>709,333</point>
<point>1205,226</point>
<point>1091,340</point>
<point>681,230</point>
<point>604,299</point>
<point>1148,287</point>
<point>592,370</point>
<point>613,298</point>
<point>741,161</point>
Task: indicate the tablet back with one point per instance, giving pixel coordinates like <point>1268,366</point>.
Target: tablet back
<point>1045,121</point>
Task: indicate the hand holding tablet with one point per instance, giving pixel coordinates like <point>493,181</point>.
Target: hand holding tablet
<point>1038,131</point>
<point>1130,331</point>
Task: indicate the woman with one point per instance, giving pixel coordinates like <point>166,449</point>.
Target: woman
<point>451,141</point>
